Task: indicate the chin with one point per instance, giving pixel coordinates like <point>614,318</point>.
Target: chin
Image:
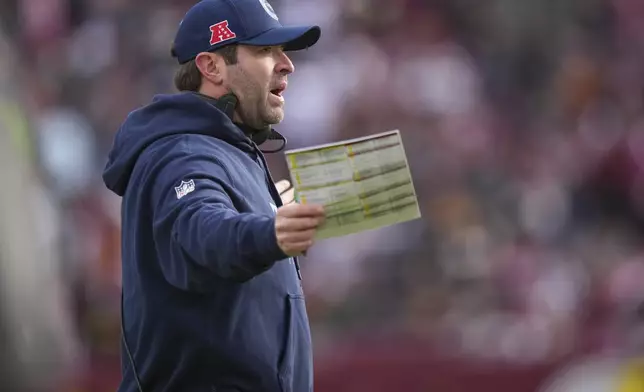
<point>274,117</point>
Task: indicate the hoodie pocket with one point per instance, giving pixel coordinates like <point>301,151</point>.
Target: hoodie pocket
<point>296,362</point>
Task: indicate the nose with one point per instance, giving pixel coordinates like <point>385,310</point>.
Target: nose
<point>284,65</point>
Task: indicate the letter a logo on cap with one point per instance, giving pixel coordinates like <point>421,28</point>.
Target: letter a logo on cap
<point>220,32</point>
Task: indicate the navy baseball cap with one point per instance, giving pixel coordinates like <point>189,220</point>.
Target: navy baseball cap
<point>211,24</point>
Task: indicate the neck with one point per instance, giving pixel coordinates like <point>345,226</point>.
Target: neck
<point>229,104</point>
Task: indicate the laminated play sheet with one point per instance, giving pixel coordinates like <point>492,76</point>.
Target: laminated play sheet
<point>364,183</point>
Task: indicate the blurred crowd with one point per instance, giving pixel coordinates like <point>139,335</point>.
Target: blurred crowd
<point>523,122</point>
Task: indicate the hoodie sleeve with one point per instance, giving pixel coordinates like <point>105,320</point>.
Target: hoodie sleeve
<point>198,232</point>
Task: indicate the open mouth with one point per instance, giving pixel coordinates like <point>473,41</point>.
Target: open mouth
<point>279,88</point>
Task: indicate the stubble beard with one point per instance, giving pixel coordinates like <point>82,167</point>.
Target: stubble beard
<point>253,107</point>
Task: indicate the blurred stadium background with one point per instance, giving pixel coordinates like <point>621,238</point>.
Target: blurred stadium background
<point>524,126</point>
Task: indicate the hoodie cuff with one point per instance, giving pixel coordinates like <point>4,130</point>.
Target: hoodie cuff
<point>272,251</point>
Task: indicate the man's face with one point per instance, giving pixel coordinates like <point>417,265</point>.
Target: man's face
<point>258,79</point>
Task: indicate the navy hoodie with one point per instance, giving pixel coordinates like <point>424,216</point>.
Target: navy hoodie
<point>210,302</point>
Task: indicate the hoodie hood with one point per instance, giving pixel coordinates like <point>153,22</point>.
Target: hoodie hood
<point>168,115</point>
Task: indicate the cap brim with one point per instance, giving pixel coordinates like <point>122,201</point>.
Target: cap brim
<point>292,38</point>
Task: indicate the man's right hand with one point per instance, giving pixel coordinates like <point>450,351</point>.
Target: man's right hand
<point>295,227</point>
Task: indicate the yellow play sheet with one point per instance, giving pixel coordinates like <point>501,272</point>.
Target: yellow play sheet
<point>364,183</point>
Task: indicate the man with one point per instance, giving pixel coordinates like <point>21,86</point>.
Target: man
<point>212,299</point>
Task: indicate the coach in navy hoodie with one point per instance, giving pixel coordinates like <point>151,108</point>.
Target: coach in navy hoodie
<point>212,299</point>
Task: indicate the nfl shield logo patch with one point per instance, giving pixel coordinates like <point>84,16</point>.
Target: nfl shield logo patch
<point>185,188</point>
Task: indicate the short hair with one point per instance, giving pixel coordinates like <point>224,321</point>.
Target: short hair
<point>188,77</point>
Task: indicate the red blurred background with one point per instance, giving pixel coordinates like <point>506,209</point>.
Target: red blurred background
<point>523,122</point>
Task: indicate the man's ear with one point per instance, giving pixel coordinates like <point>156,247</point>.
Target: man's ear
<point>211,67</point>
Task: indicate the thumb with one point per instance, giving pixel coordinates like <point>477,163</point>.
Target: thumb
<point>288,197</point>
<point>282,186</point>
